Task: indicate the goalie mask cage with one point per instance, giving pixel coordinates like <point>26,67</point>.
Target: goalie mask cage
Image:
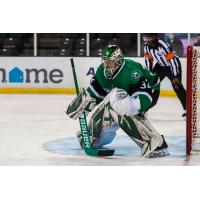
<point>193,100</point>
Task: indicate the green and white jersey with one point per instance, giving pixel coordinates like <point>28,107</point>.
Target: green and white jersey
<point>134,78</point>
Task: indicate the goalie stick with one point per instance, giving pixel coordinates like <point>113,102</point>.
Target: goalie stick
<point>89,150</point>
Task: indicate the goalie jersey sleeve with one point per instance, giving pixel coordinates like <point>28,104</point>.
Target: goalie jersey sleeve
<point>144,88</point>
<point>96,91</point>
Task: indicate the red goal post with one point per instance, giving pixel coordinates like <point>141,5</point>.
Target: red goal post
<point>193,100</point>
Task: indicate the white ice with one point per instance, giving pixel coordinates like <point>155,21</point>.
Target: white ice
<point>30,124</point>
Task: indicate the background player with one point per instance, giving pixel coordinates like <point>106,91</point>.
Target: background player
<point>167,64</point>
<point>122,89</point>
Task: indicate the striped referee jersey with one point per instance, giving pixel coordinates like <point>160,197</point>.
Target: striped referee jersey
<point>164,55</point>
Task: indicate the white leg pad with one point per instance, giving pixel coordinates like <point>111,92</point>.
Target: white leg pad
<point>107,136</point>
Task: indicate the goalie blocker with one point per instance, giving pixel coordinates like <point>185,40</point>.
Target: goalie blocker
<point>118,110</point>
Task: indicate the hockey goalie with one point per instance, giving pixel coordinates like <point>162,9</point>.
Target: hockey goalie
<point>119,94</point>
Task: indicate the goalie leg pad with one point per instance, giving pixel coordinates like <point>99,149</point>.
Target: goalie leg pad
<point>82,103</point>
<point>102,128</point>
<point>140,130</point>
<point>107,136</point>
<point>150,135</point>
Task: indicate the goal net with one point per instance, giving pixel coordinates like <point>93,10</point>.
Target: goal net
<point>193,100</point>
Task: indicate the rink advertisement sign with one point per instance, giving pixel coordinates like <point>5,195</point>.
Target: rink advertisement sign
<point>31,75</point>
<point>33,72</point>
<point>43,74</point>
<point>52,74</point>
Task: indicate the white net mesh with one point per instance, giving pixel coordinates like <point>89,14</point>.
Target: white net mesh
<point>195,98</point>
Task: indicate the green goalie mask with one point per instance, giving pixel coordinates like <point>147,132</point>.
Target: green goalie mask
<point>112,59</point>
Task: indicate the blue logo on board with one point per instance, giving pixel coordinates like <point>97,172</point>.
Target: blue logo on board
<point>28,75</point>
<point>16,75</point>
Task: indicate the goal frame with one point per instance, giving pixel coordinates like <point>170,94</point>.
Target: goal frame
<point>192,106</point>
<point>189,102</point>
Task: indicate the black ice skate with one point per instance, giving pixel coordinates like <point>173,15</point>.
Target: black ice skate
<point>160,151</point>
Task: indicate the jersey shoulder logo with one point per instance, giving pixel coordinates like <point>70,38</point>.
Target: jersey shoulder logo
<point>135,74</point>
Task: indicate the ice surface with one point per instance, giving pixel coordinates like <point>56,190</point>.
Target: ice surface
<point>34,130</point>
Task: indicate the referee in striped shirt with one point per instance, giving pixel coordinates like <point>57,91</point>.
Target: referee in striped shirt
<point>167,64</point>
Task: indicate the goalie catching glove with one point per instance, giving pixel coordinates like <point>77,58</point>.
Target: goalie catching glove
<point>82,103</point>
<point>123,104</point>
